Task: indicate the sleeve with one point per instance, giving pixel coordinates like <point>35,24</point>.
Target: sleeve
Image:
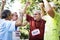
<point>28,17</point>
<point>12,26</point>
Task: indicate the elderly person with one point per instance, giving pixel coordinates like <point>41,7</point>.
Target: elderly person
<point>52,21</point>
<point>16,33</point>
<point>37,24</point>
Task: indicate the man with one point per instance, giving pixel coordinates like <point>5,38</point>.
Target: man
<point>52,18</point>
<point>37,25</point>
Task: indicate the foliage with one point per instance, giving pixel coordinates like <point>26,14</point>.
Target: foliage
<point>24,32</point>
<point>34,4</point>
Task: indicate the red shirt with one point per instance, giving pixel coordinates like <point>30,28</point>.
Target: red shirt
<point>36,25</point>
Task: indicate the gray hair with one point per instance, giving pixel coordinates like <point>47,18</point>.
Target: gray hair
<point>36,11</point>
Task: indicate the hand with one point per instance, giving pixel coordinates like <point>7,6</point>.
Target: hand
<point>41,4</point>
<point>28,3</point>
<point>3,1</point>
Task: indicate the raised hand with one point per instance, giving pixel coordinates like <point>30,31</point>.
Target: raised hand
<point>41,4</point>
<point>3,1</point>
<point>3,4</point>
<point>27,3</point>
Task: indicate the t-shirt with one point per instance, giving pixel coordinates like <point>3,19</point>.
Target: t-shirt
<point>51,27</point>
<point>57,18</point>
<point>36,25</point>
<point>5,27</point>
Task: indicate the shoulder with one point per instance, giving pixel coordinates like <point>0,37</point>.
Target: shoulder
<point>43,20</point>
<point>8,22</point>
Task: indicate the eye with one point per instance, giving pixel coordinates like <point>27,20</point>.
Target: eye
<point>35,14</point>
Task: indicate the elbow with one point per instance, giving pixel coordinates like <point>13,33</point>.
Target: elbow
<point>51,12</point>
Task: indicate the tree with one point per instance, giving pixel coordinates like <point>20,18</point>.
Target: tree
<point>34,4</point>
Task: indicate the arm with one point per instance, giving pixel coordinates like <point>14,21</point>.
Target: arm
<point>42,9</point>
<point>3,4</point>
<point>48,8</point>
<point>2,7</point>
<point>26,6</point>
<point>19,20</point>
<point>28,17</point>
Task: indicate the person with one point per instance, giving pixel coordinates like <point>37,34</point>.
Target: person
<point>6,24</point>
<point>37,24</point>
<point>16,33</point>
<point>52,19</point>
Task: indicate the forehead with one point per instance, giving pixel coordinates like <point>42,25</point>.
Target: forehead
<point>36,12</point>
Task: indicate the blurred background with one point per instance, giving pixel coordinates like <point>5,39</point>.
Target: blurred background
<point>17,5</point>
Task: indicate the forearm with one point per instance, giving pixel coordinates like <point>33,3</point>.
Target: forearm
<point>25,9</point>
<point>42,11</point>
<point>48,8</point>
<point>19,20</point>
<point>47,5</point>
<point>2,6</point>
<point>26,6</point>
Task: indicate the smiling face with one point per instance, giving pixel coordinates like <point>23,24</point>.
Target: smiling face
<point>36,15</point>
<point>14,16</point>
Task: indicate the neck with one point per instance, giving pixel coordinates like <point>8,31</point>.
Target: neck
<point>38,19</point>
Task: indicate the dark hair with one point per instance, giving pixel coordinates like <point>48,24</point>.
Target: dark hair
<point>5,14</point>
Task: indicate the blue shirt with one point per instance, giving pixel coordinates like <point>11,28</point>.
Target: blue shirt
<point>6,27</point>
<point>15,28</point>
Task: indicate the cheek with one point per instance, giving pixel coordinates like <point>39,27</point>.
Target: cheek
<point>15,18</point>
<point>37,16</point>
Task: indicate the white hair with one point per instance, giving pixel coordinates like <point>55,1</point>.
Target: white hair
<point>52,4</point>
<point>36,11</point>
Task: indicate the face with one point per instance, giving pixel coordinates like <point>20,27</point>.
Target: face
<point>14,17</point>
<point>36,16</point>
<point>10,16</point>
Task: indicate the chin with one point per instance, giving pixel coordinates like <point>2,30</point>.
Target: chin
<point>34,18</point>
